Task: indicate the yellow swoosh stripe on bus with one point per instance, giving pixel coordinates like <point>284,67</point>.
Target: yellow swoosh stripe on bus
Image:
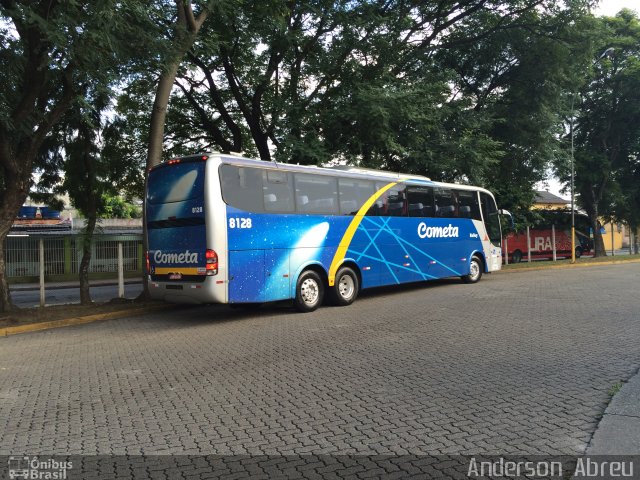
<point>351,231</point>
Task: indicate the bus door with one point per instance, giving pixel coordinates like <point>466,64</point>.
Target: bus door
<point>492,240</point>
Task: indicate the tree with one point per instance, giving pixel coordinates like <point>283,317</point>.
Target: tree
<point>607,132</point>
<point>186,28</point>
<point>83,162</point>
<point>247,73</point>
<point>464,91</point>
<point>280,78</point>
<point>516,80</point>
<point>49,49</point>
<point>84,178</point>
<point>115,206</point>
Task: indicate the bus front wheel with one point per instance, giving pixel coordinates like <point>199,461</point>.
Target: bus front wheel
<point>309,291</point>
<point>475,271</point>
<point>346,287</point>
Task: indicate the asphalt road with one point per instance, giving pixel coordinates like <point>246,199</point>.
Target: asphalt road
<point>61,296</point>
<point>521,363</point>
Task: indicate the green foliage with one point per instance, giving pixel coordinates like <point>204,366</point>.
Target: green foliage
<point>607,127</point>
<point>384,85</point>
<point>124,154</point>
<point>515,80</point>
<point>118,207</point>
<point>88,164</point>
<point>473,92</point>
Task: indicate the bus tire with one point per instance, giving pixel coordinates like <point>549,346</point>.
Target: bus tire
<point>346,287</point>
<point>475,271</point>
<point>516,257</point>
<point>309,291</point>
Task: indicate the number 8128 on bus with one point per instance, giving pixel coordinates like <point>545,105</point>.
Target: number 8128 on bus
<point>236,222</point>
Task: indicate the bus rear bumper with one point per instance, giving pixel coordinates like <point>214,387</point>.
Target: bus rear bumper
<point>192,293</point>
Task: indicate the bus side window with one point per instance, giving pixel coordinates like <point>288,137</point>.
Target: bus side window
<point>392,203</point>
<point>446,203</point>
<point>353,194</point>
<point>316,194</point>
<point>242,187</point>
<point>420,201</point>
<point>278,191</point>
<point>468,204</point>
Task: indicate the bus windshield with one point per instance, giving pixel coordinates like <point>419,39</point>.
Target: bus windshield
<point>491,218</point>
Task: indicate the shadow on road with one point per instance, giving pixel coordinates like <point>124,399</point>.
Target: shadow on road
<point>192,315</point>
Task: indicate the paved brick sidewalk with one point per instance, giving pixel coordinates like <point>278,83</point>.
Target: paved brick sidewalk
<point>517,364</point>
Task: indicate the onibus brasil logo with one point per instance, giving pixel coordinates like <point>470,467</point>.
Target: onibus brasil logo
<point>34,468</point>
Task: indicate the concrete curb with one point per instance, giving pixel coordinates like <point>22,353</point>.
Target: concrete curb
<point>618,432</point>
<point>68,322</point>
<point>568,265</point>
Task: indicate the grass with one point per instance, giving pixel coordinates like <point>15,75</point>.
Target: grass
<point>567,261</point>
<point>615,388</point>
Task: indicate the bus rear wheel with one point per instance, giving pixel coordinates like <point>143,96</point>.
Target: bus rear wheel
<point>516,257</point>
<point>346,287</point>
<point>475,271</point>
<point>309,291</point>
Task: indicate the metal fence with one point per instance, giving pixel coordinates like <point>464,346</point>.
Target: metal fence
<point>22,256</point>
<point>104,255</point>
<point>62,255</point>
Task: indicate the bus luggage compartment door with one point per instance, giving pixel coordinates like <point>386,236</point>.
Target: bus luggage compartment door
<point>276,271</point>
<point>246,276</point>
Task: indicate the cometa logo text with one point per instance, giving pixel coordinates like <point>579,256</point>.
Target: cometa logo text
<point>184,257</point>
<point>437,232</point>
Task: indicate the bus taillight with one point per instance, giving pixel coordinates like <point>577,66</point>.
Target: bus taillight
<point>212,262</point>
<point>146,257</point>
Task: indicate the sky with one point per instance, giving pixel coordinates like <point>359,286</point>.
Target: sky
<point>610,7</point>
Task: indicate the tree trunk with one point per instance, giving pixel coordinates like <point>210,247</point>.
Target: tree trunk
<point>5,294</point>
<point>145,295</point>
<point>187,27</point>
<point>159,113</point>
<point>13,198</point>
<point>83,271</point>
<point>598,241</point>
<point>262,143</point>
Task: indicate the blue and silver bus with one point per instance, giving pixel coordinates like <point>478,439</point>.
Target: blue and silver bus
<point>226,229</point>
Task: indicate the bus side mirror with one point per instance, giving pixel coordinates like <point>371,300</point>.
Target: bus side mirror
<point>507,213</point>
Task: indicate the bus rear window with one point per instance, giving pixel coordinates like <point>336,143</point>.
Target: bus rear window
<point>176,183</point>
